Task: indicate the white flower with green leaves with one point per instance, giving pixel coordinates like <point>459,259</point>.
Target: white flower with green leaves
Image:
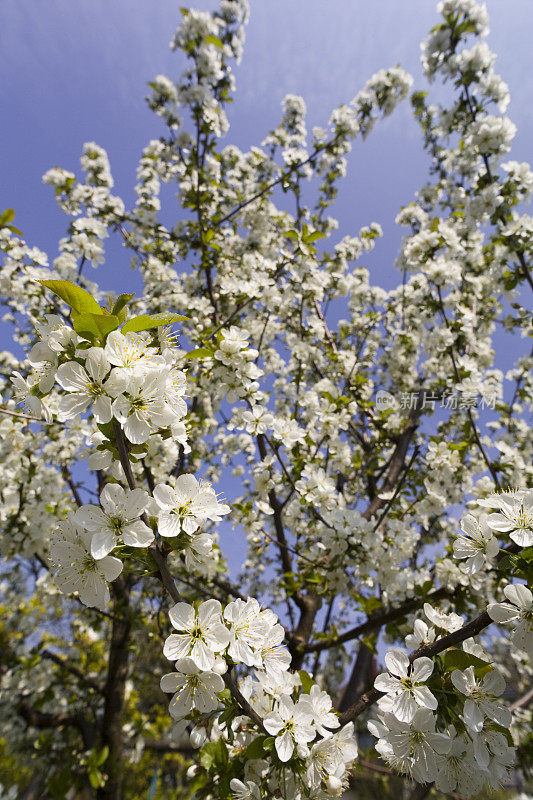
<point>411,747</point>
<point>291,724</point>
<point>26,393</point>
<point>132,353</point>
<point>248,631</point>
<point>403,685</point>
<point>515,518</point>
<point>319,706</point>
<point>55,333</point>
<point>244,791</point>
<point>140,406</point>
<point>482,698</point>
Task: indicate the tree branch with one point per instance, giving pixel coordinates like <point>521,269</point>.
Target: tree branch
<point>470,629</point>
<point>42,719</point>
<point>375,623</point>
<point>61,662</point>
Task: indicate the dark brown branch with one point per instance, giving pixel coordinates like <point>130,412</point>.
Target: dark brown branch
<point>375,623</point>
<point>360,679</point>
<point>42,719</point>
<point>61,662</point>
<point>523,701</point>
<point>242,701</point>
<point>114,692</point>
<point>490,466</point>
<point>397,459</point>
<point>309,605</point>
<point>168,581</point>
<point>277,508</point>
<point>159,558</point>
<point>470,629</point>
<point>284,175</point>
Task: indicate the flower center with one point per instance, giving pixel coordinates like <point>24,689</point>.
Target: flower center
<point>115,523</point>
<point>196,632</point>
<point>95,389</point>
<point>89,564</point>
<point>523,519</point>
<point>138,404</point>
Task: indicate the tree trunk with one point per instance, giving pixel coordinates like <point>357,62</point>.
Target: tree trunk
<point>360,679</point>
<point>114,691</point>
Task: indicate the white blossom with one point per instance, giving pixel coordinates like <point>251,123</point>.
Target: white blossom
<point>291,724</point>
<point>481,699</point>
<point>85,386</point>
<point>515,518</point>
<point>404,687</point>
<point>186,505</point>
<point>201,633</point>
<point>192,688</point>
<point>77,570</point>
<point>117,519</point>
<point>519,609</point>
<point>478,545</point>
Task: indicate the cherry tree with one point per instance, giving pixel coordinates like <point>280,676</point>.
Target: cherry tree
<point>375,443</point>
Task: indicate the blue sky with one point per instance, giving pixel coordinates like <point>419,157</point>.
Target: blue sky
<point>77,72</point>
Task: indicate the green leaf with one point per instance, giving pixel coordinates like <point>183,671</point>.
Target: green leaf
<point>95,325</point>
<point>200,352</point>
<point>145,322</point>
<point>221,754</point>
<point>214,40</point>
<point>95,777</point>
<point>369,604</point>
<point>102,755</point>
<point>107,429</point>
<point>424,589</point>
<point>198,782</point>
<point>207,756</point>
<point>255,749</point>
<point>214,754</point>
<point>121,302</point>
<point>59,784</point>
<point>458,659</point>
<point>306,679</point>
<point>80,301</point>
<point>312,237</point>
<point>7,216</point>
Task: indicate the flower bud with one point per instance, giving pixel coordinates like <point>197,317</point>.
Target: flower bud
<point>220,666</point>
<point>197,737</point>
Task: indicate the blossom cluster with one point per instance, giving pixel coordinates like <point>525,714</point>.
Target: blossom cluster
<point>303,723</point>
<point>347,505</point>
<point>467,752</point>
